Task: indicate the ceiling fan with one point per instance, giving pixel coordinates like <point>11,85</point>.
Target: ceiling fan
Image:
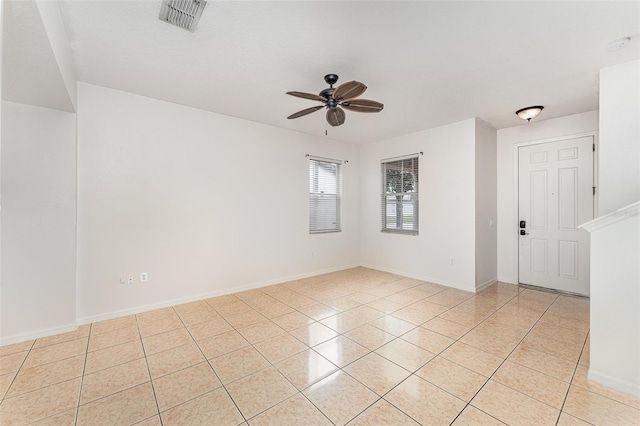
<point>334,99</point>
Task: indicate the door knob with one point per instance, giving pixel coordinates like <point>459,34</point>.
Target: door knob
<point>523,232</point>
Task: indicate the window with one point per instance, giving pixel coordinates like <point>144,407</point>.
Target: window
<point>400,195</point>
<point>324,195</point>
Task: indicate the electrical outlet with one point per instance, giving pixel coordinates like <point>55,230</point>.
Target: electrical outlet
<point>123,280</point>
<point>453,261</point>
<point>130,279</point>
<point>144,277</point>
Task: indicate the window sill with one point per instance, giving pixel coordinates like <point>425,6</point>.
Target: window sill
<point>394,231</point>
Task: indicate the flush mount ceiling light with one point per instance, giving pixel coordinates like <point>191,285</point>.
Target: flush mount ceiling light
<point>529,112</point>
<point>618,44</point>
<point>182,13</point>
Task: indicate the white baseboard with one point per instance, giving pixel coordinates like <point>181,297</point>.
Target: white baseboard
<point>164,304</point>
<point>507,280</point>
<point>418,277</point>
<point>486,284</point>
<point>17,338</point>
<point>144,308</point>
<point>614,382</point>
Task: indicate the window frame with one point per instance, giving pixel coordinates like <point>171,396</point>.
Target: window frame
<point>315,197</point>
<point>414,194</point>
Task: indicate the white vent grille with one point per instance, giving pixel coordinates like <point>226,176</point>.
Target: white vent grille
<point>182,13</point>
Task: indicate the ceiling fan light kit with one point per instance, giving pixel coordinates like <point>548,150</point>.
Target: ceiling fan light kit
<point>530,112</point>
<point>336,100</point>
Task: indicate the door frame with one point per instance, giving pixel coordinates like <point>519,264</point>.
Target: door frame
<point>516,189</point>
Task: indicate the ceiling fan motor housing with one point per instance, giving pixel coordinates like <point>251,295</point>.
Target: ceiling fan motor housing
<point>327,93</point>
<point>331,79</point>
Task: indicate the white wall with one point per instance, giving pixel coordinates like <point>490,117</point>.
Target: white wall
<point>619,136</point>
<point>38,221</point>
<point>486,213</point>
<point>447,204</point>
<point>507,182</point>
<point>205,204</point>
<point>1,56</point>
<point>615,237</point>
<point>615,300</point>
<point>52,21</point>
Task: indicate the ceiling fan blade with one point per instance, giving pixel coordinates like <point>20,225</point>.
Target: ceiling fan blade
<point>335,116</point>
<point>362,105</point>
<point>350,89</point>
<point>305,112</point>
<point>307,96</point>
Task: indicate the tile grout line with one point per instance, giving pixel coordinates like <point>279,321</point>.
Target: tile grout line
<point>146,361</point>
<point>84,367</point>
<point>50,385</point>
<point>210,366</point>
<point>256,307</point>
<point>252,345</point>
<point>505,360</point>
<point>309,348</point>
<point>4,396</point>
<point>271,365</point>
<point>341,369</point>
<point>439,353</point>
<point>468,403</point>
<point>114,393</point>
<point>566,395</point>
<point>44,387</point>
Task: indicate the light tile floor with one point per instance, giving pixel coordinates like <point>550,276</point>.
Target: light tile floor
<point>359,346</point>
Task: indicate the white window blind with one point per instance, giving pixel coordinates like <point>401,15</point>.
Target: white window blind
<point>324,195</point>
<point>400,195</point>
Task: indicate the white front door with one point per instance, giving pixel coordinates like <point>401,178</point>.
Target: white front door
<point>555,195</point>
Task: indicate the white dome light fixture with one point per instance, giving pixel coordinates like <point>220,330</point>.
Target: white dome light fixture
<point>530,112</point>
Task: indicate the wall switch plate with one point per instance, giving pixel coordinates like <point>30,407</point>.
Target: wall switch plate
<point>144,277</point>
<point>130,279</point>
<point>123,280</point>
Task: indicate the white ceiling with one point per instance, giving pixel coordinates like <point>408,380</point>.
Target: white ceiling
<point>431,63</point>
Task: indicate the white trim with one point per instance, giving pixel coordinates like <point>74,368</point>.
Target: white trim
<point>17,338</point>
<point>516,187</point>
<point>613,217</point>
<point>593,133</point>
<point>173,302</point>
<point>507,280</point>
<point>400,158</point>
<point>323,159</point>
<point>417,277</point>
<point>614,382</point>
<point>486,284</point>
<point>145,308</point>
<point>77,212</point>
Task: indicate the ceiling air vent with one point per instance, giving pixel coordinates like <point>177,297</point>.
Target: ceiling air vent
<point>182,13</point>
